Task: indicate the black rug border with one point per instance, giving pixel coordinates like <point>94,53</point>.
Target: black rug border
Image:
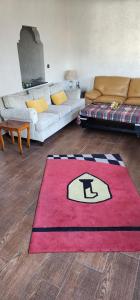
<point>87,229</point>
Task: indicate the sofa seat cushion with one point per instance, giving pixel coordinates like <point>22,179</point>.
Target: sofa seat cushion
<point>134,88</point>
<point>45,119</point>
<point>61,110</point>
<point>75,103</point>
<point>133,101</point>
<point>112,85</point>
<point>91,95</point>
<point>109,99</point>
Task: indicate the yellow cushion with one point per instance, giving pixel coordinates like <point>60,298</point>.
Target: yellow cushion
<point>59,98</point>
<point>40,105</point>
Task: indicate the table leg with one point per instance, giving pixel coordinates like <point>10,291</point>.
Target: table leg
<point>28,136</point>
<point>1,140</point>
<point>19,142</point>
<point>12,137</point>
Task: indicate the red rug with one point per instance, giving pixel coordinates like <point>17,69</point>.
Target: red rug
<point>87,203</point>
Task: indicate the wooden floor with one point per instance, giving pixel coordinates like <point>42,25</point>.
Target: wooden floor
<point>69,276</point>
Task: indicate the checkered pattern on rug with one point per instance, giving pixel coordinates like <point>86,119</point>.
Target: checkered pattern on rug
<point>114,159</point>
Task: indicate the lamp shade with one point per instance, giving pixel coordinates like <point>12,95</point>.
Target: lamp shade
<point>70,75</point>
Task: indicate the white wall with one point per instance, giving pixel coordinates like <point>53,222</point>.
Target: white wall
<point>50,18</point>
<point>105,38</point>
<point>96,37</point>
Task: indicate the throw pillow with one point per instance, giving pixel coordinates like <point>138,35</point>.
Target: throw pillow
<point>59,98</point>
<point>40,105</point>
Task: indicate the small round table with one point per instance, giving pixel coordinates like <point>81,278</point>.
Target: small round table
<point>18,127</point>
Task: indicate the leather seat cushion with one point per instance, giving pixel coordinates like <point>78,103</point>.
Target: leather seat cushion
<point>110,99</point>
<point>134,88</point>
<point>112,85</point>
<point>132,101</point>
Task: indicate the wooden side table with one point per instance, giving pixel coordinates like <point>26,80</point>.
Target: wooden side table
<point>17,126</point>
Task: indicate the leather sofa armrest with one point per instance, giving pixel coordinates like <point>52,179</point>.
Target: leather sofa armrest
<point>92,95</point>
<point>24,114</point>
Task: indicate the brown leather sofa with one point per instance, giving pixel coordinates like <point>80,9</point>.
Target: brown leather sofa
<point>108,89</point>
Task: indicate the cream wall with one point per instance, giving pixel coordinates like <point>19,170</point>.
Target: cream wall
<point>105,38</point>
<point>50,18</point>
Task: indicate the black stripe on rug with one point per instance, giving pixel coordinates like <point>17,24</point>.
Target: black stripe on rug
<point>72,229</point>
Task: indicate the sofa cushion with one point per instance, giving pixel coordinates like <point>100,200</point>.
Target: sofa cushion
<point>134,88</point>
<point>91,95</point>
<point>73,93</point>
<point>112,85</point>
<point>75,103</point>
<point>61,110</point>
<point>45,119</point>
<point>132,101</point>
<point>109,99</point>
<point>1,103</point>
<point>40,105</point>
<point>57,87</point>
<point>59,98</point>
<point>39,92</point>
<point>15,101</point>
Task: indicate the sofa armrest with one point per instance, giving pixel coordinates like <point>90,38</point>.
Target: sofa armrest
<point>92,95</point>
<point>73,93</point>
<point>24,114</point>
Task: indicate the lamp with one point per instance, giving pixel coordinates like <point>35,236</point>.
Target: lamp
<point>71,75</point>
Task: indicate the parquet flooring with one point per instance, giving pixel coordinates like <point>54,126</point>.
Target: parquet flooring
<point>66,276</point>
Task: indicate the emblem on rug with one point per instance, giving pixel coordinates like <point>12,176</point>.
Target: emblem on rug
<point>87,188</point>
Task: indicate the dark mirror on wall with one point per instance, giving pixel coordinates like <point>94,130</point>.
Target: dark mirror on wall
<point>31,57</point>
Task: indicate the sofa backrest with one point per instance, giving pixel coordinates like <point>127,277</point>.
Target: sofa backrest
<point>134,88</point>
<point>56,88</point>
<point>112,85</point>
<point>1,103</point>
<point>15,100</point>
<point>39,92</point>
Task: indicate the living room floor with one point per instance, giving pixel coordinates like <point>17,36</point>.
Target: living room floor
<point>67,276</point>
